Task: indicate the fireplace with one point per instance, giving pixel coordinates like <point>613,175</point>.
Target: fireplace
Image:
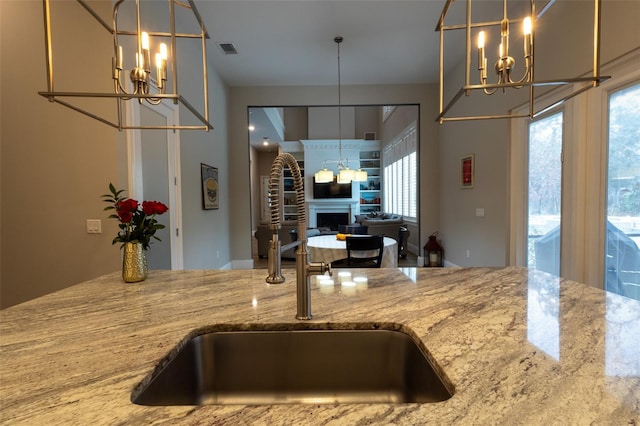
<point>331,220</point>
<point>346,208</point>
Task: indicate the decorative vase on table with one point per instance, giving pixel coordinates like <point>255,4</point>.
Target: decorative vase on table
<point>134,263</point>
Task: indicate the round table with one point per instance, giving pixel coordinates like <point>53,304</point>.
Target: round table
<point>326,248</point>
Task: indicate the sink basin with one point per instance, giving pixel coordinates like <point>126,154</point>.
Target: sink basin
<point>295,367</point>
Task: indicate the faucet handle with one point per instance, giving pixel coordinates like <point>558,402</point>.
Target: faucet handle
<point>319,268</point>
<point>328,269</point>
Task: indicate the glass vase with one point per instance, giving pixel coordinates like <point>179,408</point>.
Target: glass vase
<point>134,263</point>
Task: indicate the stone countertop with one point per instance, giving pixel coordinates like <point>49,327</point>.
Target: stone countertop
<point>519,346</point>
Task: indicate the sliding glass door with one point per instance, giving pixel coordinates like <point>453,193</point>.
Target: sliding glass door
<point>544,194</point>
<point>622,261</point>
<point>575,205</point>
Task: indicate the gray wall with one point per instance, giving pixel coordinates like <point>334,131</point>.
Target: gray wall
<point>296,123</point>
<point>206,232</point>
<point>55,164</point>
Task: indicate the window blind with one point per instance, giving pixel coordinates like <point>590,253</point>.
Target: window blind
<point>400,174</point>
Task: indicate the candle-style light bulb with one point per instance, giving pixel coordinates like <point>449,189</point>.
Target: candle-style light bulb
<point>159,68</point>
<point>528,44</point>
<point>161,65</point>
<point>119,60</point>
<point>526,26</point>
<point>526,29</point>
<point>145,40</point>
<point>481,59</point>
<point>145,52</point>
<point>163,51</point>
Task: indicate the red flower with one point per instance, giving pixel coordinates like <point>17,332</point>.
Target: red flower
<point>138,223</point>
<point>125,209</point>
<point>153,207</point>
<point>128,205</point>
<point>125,217</point>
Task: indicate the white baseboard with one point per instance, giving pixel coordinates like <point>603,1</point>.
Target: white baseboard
<point>239,264</point>
<point>447,264</point>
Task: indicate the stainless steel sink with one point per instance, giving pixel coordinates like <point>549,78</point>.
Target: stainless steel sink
<point>295,367</point>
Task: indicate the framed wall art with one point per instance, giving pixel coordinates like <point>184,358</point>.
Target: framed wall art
<point>467,171</point>
<point>210,187</point>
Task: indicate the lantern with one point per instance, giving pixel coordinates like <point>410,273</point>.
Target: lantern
<point>433,252</point>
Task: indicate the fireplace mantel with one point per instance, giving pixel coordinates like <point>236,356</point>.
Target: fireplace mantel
<point>331,206</point>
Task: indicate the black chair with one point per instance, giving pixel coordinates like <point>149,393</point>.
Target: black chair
<point>364,243</point>
<point>353,229</point>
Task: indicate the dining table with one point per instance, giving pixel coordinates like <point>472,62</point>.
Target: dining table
<point>327,248</point>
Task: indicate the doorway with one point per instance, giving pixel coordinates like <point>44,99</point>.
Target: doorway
<point>154,174</point>
<point>274,129</point>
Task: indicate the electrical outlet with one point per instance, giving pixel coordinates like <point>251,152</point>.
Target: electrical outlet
<point>94,226</point>
<point>468,253</point>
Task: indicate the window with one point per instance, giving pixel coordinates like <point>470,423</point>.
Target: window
<point>544,194</point>
<point>622,258</point>
<point>400,174</point>
<point>387,110</point>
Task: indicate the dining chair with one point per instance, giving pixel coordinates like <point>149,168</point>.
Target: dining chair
<point>363,251</point>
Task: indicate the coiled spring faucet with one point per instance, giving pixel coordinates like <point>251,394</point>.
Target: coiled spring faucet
<point>304,269</point>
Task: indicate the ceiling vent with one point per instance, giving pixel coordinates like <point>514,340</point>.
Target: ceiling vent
<point>228,48</point>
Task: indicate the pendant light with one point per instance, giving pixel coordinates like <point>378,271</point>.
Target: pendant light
<point>149,80</point>
<point>505,82</point>
<point>345,174</point>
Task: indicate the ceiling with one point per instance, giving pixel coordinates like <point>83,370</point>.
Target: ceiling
<point>291,42</point>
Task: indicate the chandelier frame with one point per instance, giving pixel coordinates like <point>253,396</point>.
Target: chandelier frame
<point>120,122</point>
<point>590,81</point>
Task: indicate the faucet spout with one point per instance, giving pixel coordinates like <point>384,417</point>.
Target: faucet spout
<point>303,269</point>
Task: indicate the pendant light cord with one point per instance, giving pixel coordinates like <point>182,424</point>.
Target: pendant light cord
<point>338,40</point>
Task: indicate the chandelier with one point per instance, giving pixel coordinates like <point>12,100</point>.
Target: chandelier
<point>504,65</point>
<point>140,76</point>
<point>147,81</point>
<point>345,174</point>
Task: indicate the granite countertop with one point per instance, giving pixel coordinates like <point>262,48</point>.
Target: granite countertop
<point>519,346</point>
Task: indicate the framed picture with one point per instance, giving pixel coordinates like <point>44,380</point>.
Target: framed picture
<point>210,191</point>
<point>467,171</point>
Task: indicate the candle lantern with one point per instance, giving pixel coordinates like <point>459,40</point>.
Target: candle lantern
<point>433,252</point>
